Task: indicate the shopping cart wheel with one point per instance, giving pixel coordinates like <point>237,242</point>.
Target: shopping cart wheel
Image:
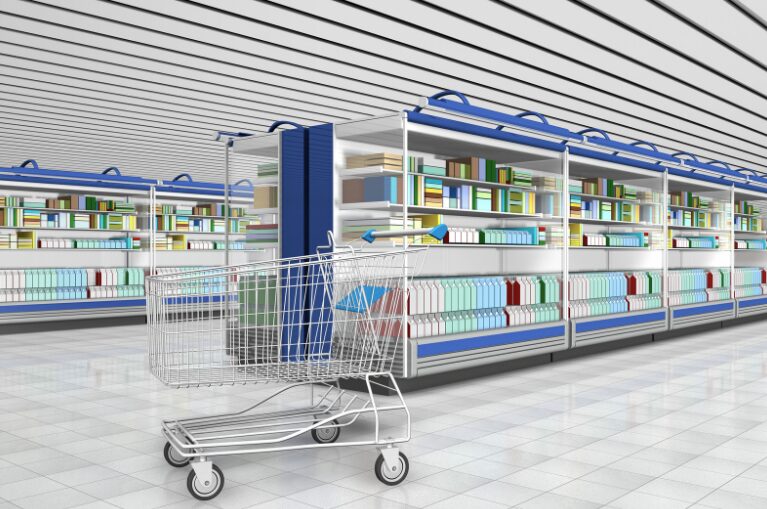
<point>392,476</point>
<point>202,492</point>
<point>173,458</point>
<point>326,435</point>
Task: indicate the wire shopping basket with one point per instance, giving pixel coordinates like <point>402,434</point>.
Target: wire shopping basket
<point>307,322</point>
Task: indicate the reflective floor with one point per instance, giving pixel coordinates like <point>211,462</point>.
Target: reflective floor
<point>679,423</point>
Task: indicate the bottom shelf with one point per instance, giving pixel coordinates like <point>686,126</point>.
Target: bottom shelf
<point>438,354</point>
<point>71,309</point>
<point>599,329</point>
<point>703,312</point>
<point>749,306</point>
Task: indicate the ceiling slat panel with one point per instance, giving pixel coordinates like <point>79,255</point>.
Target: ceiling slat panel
<point>143,84</point>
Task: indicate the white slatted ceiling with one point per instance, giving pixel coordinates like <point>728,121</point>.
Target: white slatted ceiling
<point>142,84</point>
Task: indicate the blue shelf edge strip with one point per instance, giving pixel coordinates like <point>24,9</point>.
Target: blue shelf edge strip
<point>701,310</point>
<point>68,306</point>
<point>622,321</point>
<point>474,343</point>
<point>504,118</point>
<point>761,301</point>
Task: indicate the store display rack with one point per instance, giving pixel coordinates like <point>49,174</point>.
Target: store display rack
<point>615,212</point>
<point>57,224</point>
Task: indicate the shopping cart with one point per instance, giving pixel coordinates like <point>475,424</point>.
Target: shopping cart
<point>306,322</point>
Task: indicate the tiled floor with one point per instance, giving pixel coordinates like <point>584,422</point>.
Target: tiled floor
<point>680,423</point>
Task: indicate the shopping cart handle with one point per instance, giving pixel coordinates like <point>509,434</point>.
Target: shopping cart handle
<point>438,232</point>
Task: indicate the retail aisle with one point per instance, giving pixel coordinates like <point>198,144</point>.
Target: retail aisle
<point>680,423</point>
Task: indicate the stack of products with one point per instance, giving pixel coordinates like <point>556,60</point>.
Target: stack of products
<point>66,284</point>
<point>695,218</point>
<point>579,238</point>
<point>749,224</point>
<point>453,305</point>
<point>31,218</point>
<point>758,244</point>
<point>690,286</point>
<point>600,186</point>
<point>177,223</point>
<point>432,192</point>
<point>454,323</point>
<point>266,170</point>
<point>702,242</point>
<point>456,294</point>
<point>118,243</point>
<point>599,293</point>
<point>353,229</point>
<point>548,183</point>
<point>534,313</point>
<point>604,210</point>
<point>746,208</point>
<point>694,201</point>
<point>213,245</point>
<point>9,241</point>
<point>526,290</point>
<point>171,243</point>
<point>265,197</point>
<point>749,281</point>
<point>261,233</point>
<point>524,236</point>
<point>26,240</point>
<point>387,161</point>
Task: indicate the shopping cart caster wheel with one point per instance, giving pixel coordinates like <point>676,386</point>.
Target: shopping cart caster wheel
<point>392,476</point>
<point>199,490</point>
<point>173,458</point>
<point>326,435</point>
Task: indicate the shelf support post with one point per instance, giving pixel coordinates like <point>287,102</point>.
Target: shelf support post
<point>664,217</point>
<point>565,207</point>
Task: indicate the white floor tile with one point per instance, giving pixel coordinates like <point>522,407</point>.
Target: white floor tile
<point>657,425</point>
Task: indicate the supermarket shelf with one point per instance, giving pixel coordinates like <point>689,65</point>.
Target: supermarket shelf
<point>748,306</point>
<point>20,312</point>
<point>78,249</point>
<point>438,354</point>
<point>700,313</point>
<point>45,228</point>
<point>207,250</point>
<point>697,249</point>
<point>170,232</point>
<point>496,246</point>
<point>612,198</point>
<point>600,329</point>
<point>618,248</point>
<point>616,223</point>
<point>699,209</point>
<point>77,211</point>
<point>367,171</point>
<point>697,228</point>
<point>238,218</point>
<point>261,212</point>
<point>746,215</point>
<point>742,232</point>
<point>386,206</point>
